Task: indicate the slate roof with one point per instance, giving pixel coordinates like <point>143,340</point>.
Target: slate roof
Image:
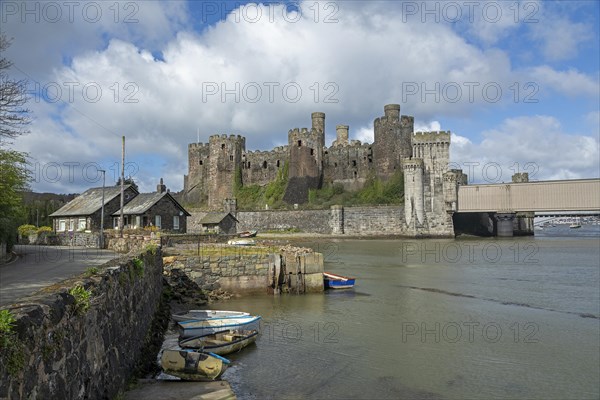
<point>215,218</point>
<point>89,201</point>
<point>144,201</point>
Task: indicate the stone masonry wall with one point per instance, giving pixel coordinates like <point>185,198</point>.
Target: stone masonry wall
<point>243,271</point>
<point>88,354</point>
<point>305,220</point>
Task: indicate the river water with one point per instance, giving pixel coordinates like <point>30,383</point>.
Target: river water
<point>461,318</point>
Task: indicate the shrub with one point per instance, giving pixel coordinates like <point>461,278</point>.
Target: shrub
<point>82,298</point>
<point>138,267</point>
<point>26,230</point>
<point>42,229</point>
<point>7,321</point>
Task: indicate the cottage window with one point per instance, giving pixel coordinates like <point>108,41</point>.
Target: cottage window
<point>71,225</point>
<point>176,222</point>
<point>82,224</point>
<point>157,221</point>
<point>62,225</point>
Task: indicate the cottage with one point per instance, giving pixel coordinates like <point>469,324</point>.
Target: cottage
<point>83,213</point>
<point>157,209</point>
<point>219,223</point>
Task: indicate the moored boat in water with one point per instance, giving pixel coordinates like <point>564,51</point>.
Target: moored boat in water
<point>223,342</point>
<point>193,365</point>
<point>242,242</point>
<point>204,314</point>
<point>332,281</point>
<point>198,327</point>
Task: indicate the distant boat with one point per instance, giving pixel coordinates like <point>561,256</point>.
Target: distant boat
<point>198,327</point>
<point>247,234</point>
<point>242,242</point>
<point>205,314</point>
<point>221,343</point>
<point>574,226</point>
<point>193,365</point>
<point>332,281</point>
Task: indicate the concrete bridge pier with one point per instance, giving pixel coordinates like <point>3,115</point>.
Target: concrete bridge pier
<point>504,224</point>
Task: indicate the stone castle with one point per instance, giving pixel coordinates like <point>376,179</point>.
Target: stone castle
<point>423,157</point>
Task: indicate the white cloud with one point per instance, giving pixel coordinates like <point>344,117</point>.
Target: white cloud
<point>535,144</point>
<point>348,69</point>
<point>562,38</point>
<point>571,82</point>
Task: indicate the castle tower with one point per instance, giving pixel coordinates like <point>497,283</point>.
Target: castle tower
<point>393,140</point>
<point>225,160</point>
<point>318,121</point>
<point>341,133</point>
<point>414,202</point>
<point>194,186</point>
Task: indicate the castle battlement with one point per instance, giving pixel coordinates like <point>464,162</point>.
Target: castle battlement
<point>198,145</point>
<point>432,137</point>
<point>412,163</point>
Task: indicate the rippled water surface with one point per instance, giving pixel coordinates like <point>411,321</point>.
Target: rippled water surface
<point>435,319</point>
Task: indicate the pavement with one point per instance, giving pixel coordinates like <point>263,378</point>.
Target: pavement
<point>39,266</point>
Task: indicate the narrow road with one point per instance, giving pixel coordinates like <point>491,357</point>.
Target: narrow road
<point>40,266</point>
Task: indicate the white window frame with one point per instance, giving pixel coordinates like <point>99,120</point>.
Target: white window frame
<point>157,221</point>
<point>175,222</point>
<point>71,225</point>
<point>82,224</point>
<point>62,225</point>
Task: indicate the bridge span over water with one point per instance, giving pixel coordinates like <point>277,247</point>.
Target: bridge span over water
<point>505,200</point>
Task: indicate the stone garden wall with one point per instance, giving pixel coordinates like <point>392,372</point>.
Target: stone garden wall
<point>61,350</point>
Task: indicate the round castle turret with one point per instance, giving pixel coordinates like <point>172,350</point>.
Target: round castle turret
<point>341,133</point>
<point>392,112</point>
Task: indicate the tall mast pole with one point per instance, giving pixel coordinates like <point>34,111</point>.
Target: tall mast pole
<point>122,186</point>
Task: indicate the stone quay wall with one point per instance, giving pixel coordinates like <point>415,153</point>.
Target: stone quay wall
<point>379,220</point>
<point>59,351</point>
<point>243,271</point>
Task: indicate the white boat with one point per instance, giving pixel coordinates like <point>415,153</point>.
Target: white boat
<point>242,242</point>
<point>198,327</point>
<point>221,343</point>
<point>574,226</point>
<point>204,314</point>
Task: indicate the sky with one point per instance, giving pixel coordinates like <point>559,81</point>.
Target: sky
<point>516,82</point>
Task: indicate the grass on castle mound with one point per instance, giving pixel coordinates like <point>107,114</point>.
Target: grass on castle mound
<point>375,191</point>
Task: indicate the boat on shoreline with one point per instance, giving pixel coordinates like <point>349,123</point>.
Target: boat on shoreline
<point>221,343</point>
<point>205,314</point>
<point>248,234</point>
<point>242,242</point>
<point>193,365</point>
<point>332,281</point>
<point>199,327</point>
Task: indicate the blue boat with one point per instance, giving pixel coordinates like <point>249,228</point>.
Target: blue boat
<point>332,281</point>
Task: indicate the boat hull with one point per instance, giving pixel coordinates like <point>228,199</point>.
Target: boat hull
<point>212,325</point>
<point>332,281</point>
<point>192,365</point>
<point>221,343</point>
<point>205,314</point>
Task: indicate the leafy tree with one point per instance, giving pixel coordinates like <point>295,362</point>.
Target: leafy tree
<point>14,174</point>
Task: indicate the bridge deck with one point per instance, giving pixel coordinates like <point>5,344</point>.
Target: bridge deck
<point>546,196</point>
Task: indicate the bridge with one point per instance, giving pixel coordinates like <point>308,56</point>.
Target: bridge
<point>581,196</point>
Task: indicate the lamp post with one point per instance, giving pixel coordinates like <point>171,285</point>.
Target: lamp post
<point>101,243</point>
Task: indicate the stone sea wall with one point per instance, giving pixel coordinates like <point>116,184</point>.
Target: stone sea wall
<point>243,271</point>
<point>60,350</point>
